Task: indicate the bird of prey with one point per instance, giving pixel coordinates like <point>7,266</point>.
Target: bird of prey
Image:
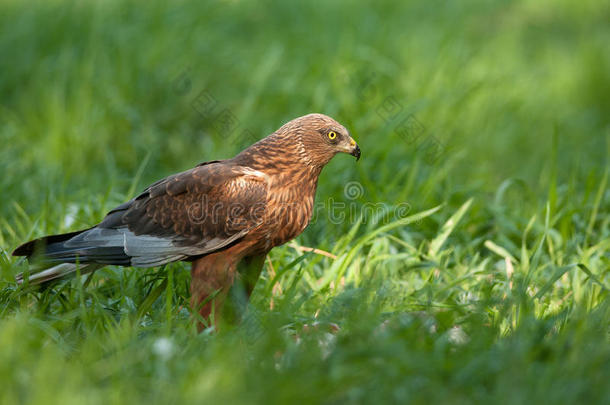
<point>223,216</point>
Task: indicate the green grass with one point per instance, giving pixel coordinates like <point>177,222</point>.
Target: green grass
<point>476,275</point>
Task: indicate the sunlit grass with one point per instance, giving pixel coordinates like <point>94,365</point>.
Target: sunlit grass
<point>478,274</point>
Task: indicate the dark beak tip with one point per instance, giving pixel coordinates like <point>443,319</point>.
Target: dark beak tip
<point>356,152</point>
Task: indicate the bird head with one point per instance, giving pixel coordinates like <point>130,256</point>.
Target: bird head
<point>321,138</point>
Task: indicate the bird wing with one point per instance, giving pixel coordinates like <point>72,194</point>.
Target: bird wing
<point>187,214</point>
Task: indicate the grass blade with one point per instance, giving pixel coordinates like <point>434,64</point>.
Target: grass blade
<point>447,228</point>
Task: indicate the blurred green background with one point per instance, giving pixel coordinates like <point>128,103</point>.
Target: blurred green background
<point>508,102</point>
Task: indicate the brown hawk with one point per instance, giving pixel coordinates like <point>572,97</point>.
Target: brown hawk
<point>224,216</point>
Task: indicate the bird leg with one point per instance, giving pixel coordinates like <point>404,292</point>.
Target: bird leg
<point>211,279</point>
<point>248,272</point>
<point>218,276</point>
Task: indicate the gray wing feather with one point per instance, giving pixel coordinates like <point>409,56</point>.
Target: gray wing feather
<point>142,250</point>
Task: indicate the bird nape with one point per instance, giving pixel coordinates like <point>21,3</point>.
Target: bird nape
<point>223,216</point>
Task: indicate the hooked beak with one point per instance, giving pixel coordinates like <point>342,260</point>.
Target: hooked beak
<point>354,149</point>
<point>356,152</point>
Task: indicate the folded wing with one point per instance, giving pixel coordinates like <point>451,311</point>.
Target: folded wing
<point>188,214</point>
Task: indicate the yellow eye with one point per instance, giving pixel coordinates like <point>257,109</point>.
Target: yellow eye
<point>332,135</point>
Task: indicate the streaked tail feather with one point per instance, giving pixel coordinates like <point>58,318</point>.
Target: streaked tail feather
<point>50,259</point>
<point>63,270</point>
<point>56,256</point>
